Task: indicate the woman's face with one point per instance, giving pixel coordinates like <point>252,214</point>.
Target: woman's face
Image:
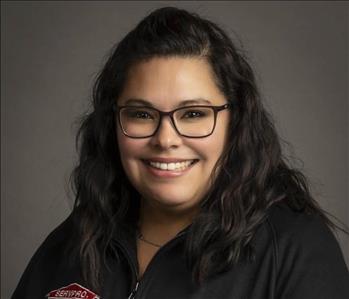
<point>166,83</point>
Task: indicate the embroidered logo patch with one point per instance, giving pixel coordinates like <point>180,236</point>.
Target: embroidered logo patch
<point>72,291</point>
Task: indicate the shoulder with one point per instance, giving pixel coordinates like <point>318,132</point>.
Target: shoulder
<point>58,238</point>
<point>308,257</point>
<point>287,225</point>
<point>294,231</point>
<point>48,259</point>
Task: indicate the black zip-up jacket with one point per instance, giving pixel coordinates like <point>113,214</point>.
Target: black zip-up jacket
<point>297,257</point>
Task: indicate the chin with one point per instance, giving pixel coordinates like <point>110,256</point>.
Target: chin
<point>171,199</point>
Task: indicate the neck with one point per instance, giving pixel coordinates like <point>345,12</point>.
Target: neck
<point>160,225</point>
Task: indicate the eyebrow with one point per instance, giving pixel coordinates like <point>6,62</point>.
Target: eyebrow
<point>196,101</point>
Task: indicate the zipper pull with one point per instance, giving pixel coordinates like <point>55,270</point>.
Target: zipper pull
<point>134,291</point>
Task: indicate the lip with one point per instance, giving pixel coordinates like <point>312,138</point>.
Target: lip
<point>167,160</point>
<point>159,173</point>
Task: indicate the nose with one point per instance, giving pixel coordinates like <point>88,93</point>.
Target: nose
<point>166,135</point>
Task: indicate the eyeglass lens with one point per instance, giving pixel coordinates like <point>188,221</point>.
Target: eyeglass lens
<point>191,121</point>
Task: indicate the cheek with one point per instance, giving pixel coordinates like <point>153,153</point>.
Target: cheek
<point>212,146</point>
<point>208,149</point>
<point>127,146</point>
<point>130,151</point>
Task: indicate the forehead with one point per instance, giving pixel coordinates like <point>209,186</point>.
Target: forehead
<point>166,81</point>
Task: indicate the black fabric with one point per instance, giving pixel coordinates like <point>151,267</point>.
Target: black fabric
<point>297,257</point>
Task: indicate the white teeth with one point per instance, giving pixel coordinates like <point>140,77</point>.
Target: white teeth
<point>171,166</point>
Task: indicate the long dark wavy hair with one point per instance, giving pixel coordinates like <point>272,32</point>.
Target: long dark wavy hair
<point>253,173</point>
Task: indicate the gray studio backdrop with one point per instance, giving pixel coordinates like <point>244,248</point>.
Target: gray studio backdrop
<point>52,51</point>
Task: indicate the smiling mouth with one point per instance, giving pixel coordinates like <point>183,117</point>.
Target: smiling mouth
<point>173,166</point>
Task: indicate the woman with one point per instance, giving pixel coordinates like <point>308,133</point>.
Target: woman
<point>182,190</point>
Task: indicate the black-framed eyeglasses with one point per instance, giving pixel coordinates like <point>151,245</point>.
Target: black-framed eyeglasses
<point>190,121</point>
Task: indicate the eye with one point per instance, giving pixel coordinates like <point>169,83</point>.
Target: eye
<point>139,114</point>
<point>193,114</point>
<point>142,114</point>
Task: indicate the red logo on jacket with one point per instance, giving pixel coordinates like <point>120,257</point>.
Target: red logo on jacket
<point>72,291</point>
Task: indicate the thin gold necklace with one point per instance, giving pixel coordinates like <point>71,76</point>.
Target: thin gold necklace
<point>140,237</point>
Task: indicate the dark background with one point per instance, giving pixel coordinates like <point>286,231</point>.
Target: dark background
<point>52,51</point>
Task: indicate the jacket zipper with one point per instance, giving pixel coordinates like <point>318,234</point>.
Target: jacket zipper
<point>134,290</point>
<point>134,270</point>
